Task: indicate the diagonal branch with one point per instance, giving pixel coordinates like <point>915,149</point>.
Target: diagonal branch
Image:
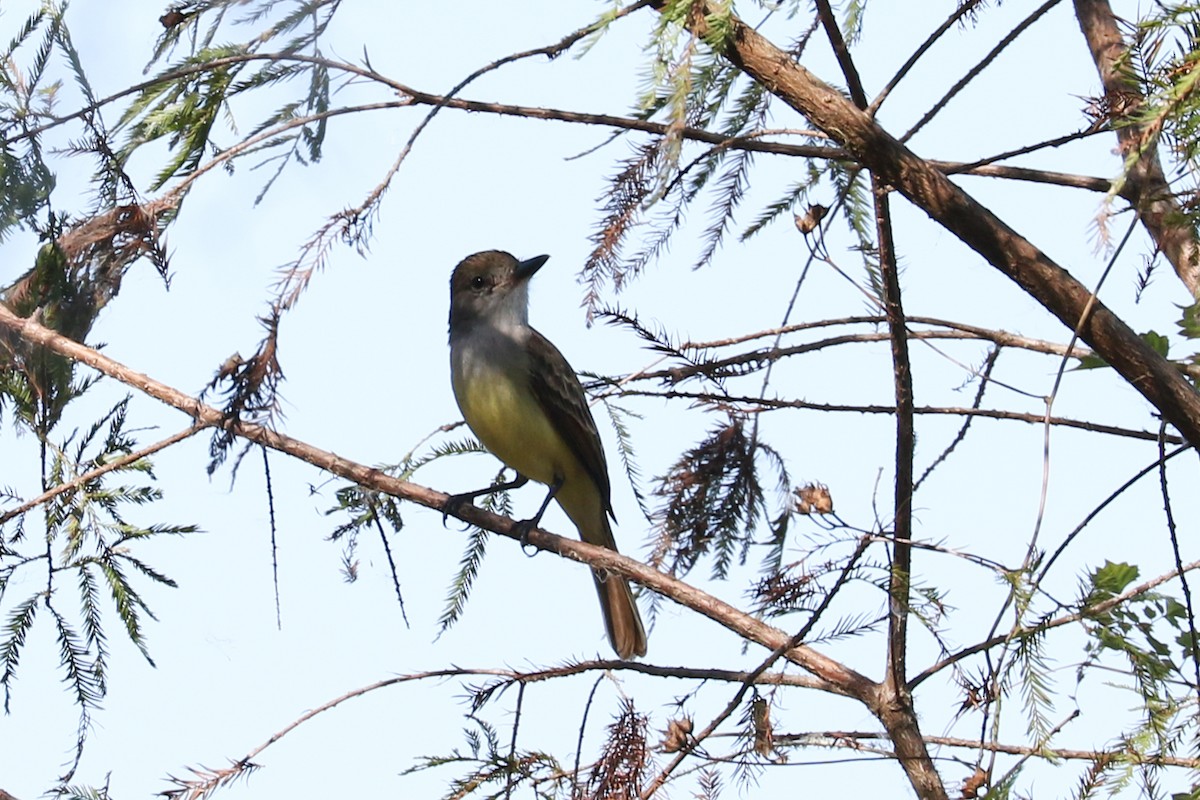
<point>92,474</point>
<point>1145,183</point>
<point>833,676</point>
<point>965,217</point>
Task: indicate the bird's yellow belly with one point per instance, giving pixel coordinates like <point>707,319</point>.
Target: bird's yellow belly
<point>510,423</point>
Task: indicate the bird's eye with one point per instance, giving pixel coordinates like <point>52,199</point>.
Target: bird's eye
<point>478,282</point>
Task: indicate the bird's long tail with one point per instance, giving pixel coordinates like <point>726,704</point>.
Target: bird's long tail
<point>584,506</point>
<point>621,616</point>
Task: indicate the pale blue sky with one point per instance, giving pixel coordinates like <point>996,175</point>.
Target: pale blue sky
<point>365,359</point>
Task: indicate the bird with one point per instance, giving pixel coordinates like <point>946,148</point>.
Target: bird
<point>523,401</point>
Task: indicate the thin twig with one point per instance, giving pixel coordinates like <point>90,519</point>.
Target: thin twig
<point>92,474</point>
<point>1123,755</point>
<point>1095,512</point>
<point>511,781</point>
<point>387,551</point>
<point>978,68</point>
<point>1020,631</point>
<point>958,331</point>
<point>1173,532</point>
<point>958,13</point>
<point>576,789</point>
<point>754,404</point>
<point>984,380</point>
<point>274,548</point>
<point>661,779</point>
<point>1039,748</point>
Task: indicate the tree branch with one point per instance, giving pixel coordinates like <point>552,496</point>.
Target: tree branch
<point>896,709</point>
<point>752,404</point>
<point>1124,755</point>
<point>834,676</point>
<point>106,467</point>
<point>1146,184</point>
<point>1066,619</point>
<point>975,225</point>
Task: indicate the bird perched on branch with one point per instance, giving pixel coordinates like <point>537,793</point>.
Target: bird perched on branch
<point>522,399</point>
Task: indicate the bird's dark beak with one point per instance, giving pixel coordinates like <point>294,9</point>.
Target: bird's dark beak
<point>526,269</point>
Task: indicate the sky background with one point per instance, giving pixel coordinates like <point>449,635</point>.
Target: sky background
<point>366,363</point>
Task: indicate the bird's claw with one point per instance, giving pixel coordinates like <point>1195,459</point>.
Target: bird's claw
<point>523,528</point>
<point>453,504</point>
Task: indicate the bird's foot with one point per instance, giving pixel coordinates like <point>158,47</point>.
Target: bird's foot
<point>455,502</point>
<point>523,528</point>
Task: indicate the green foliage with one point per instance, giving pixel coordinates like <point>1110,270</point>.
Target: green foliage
<point>88,549</point>
<point>793,197</point>
<point>1150,631</point>
<point>1109,581</point>
<point>16,631</point>
<point>25,179</point>
<point>183,109</point>
<point>1033,669</point>
<point>192,94</point>
<point>1150,636</point>
<point>852,20</point>
<point>857,209</point>
<point>1159,343</point>
<point>37,383</point>
<point>618,417</point>
<point>25,186</point>
<point>1164,64</point>
<point>1189,322</point>
<point>1165,57</point>
<point>82,793</point>
<point>472,558</point>
<point>718,23</point>
<point>364,509</point>
<point>464,580</point>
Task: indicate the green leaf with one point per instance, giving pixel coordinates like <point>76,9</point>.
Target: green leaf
<point>1189,323</point>
<point>1157,341</point>
<point>1112,578</point>
<point>20,620</point>
<point>1092,362</point>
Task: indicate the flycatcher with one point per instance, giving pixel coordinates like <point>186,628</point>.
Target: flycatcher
<point>522,399</point>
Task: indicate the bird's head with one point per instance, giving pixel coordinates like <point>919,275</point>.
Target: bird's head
<point>492,288</point>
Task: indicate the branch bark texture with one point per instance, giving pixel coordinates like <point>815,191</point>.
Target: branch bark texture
<point>1146,185</point>
<point>980,229</point>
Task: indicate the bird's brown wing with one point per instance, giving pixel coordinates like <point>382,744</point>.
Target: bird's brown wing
<point>557,388</point>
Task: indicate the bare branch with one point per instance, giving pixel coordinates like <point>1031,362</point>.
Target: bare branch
<point>974,72</point>
<point>834,676</point>
<point>751,404</point>
<point>1063,295</point>
<point>1124,755</point>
